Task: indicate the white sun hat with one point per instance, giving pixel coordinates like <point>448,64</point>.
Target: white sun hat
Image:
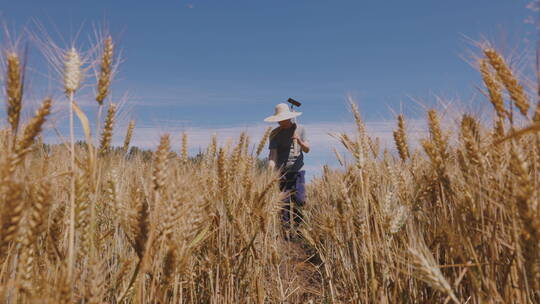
<point>282,112</point>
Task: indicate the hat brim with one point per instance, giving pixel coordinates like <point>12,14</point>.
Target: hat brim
<point>281,117</point>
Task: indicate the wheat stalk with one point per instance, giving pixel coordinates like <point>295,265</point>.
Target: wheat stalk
<point>530,232</point>
<point>222,173</point>
<point>339,157</point>
<point>73,77</point>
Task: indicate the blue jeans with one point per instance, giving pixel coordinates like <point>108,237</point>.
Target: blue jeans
<point>293,183</point>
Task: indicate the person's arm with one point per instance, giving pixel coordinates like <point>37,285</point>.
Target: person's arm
<point>272,159</point>
<point>302,141</point>
<point>303,144</point>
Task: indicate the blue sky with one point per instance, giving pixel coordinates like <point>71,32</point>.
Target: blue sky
<point>218,66</point>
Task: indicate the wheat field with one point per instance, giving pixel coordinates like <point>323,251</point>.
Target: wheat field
<point>455,219</point>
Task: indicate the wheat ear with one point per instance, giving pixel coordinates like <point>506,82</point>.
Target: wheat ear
<point>339,157</point>
<point>135,218</point>
<point>222,173</point>
<point>105,71</point>
<point>34,127</point>
<point>210,156</point>
<point>54,231</point>
<point>263,141</point>
<point>82,210</point>
<point>160,162</point>
<point>184,156</point>
<point>400,138</point>
<point>515,90</point>
<point>31,131</point>
<point>96,281</point>
<point>433,154</point>
<point>169,263</point>
<point>245,149</point>
<point>236,157</point>
<point>129,135</point>
<point>247,180</point>
<point>13,205</point>
<point>14,91</point>
<point>494,89</point>
<point>426,266</point>
<point>213,147</point>
<point>439,139</point>
<point>470,137</point>
<point>106,135</point>
<point>138,223</point>
<point>360,146</point>
<point>171,216</point>
<point>38,212</point>
<point>73,75</point>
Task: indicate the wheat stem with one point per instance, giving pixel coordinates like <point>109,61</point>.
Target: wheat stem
<point>71,235</point>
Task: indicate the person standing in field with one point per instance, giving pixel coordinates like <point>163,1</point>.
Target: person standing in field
<point>288,143</point>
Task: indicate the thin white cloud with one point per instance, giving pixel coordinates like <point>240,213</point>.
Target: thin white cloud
<point>322,144</point>
<point>146,135</point>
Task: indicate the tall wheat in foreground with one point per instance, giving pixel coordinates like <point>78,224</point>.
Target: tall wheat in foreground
<point>455,218</point>
<point>460,224</point>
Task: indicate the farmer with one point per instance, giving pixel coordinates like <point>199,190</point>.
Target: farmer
<point>288,144</point>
